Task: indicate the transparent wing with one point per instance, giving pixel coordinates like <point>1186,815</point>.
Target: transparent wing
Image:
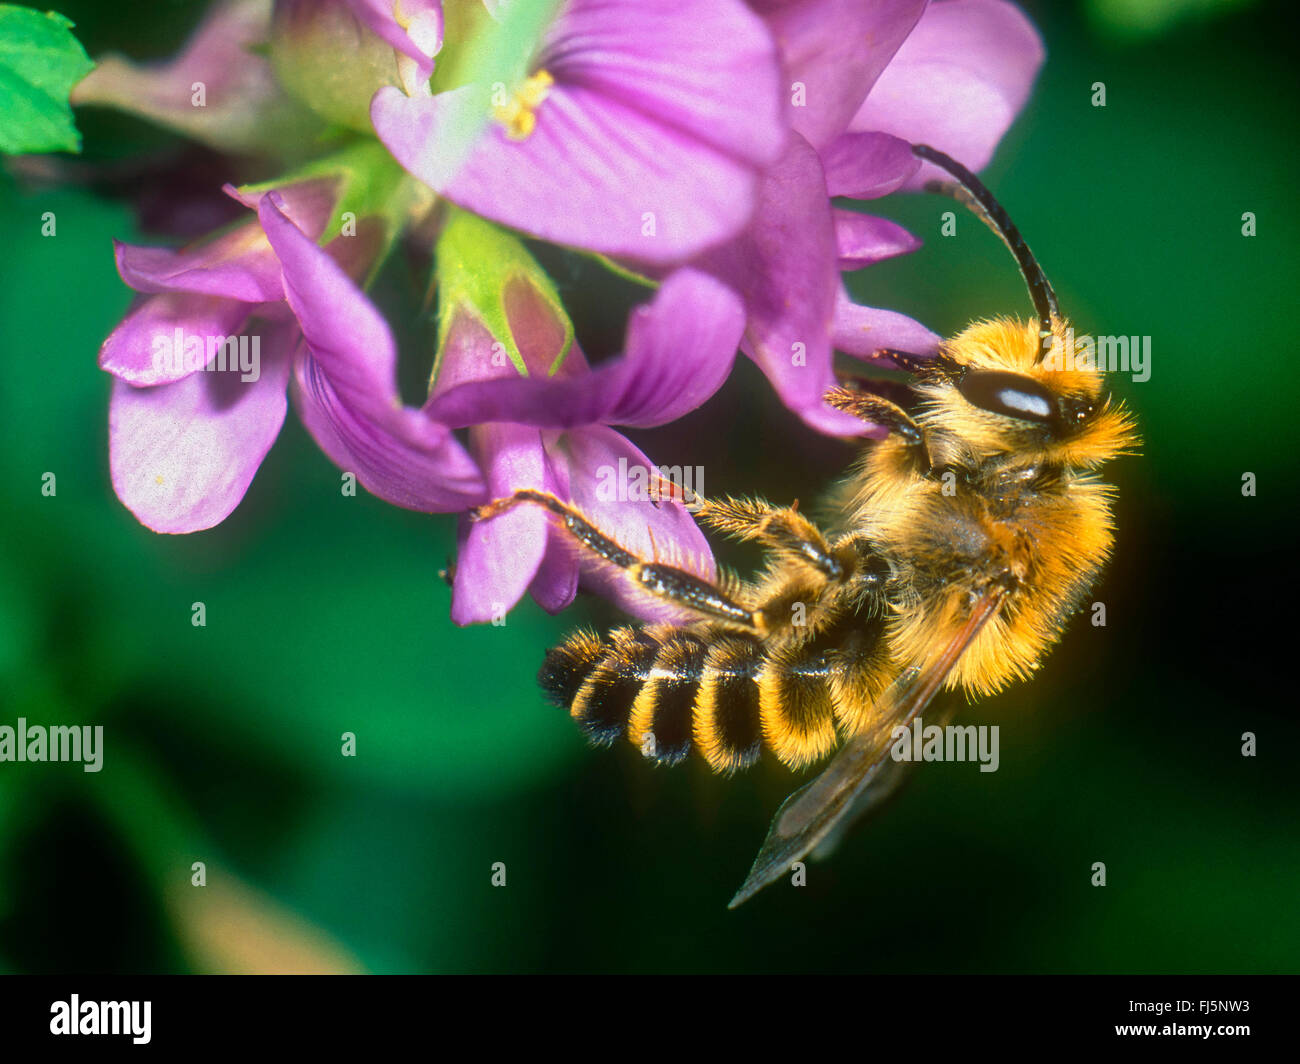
<point>886,783</point>
<point>862,774</point>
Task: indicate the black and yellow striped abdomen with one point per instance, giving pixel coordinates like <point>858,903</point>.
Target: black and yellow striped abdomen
<point>724,693</point>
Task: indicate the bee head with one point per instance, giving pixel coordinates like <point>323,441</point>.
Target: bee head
<point>1005,386</point>
<point>994,392</point>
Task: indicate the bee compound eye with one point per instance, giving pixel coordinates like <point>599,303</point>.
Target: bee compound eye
<point>1009,394</point>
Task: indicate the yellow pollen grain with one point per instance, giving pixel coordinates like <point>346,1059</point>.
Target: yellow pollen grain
<point>519,114</point>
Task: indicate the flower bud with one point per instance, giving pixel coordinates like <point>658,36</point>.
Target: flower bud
<point>328,60</point>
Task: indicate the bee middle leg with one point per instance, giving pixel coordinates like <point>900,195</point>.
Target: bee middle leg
<point>781,529</point>
<point>667,582</point>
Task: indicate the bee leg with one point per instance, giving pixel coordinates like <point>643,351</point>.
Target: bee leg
<point>878,410</point>
<point>925,366</point>
<point>783,530</point>
<point>663,581</point>
<point>896,391</point>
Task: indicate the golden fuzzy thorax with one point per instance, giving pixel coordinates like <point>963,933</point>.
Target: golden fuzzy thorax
<point>996,513</point>
<point>954,506</point>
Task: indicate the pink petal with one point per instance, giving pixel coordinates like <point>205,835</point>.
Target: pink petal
<point>835,49</point>
<point>346,389</point>
<point>142,349</point>
<point>594,174</point>
<point>786,268</point>
<point>862,331</point>
<point>182,455</point>
<point>711,73</point>
<point>958,81</point>
<point>347,335</point>
<point>403,457</point>
<point>862,239</point>
<point>238,265</point>
<point>867,165</point>
<point>556,584</point>
<point>308,204</point>
<point>500,557</point>
<point>680,348</point>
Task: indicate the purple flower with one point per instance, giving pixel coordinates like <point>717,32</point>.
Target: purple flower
<point>201,365</point>
<point>957,82</point>
<point>639,131</point>
<point>711,150</point>
<point>852,126</point>
<point>552,434</point>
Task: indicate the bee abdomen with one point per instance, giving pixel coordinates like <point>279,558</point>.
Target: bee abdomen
<point>798,705</point>
<point>598,681</point>
<point>568,665</point>
<point>724,693</point>
<point>667,689</point>
<point>728,726</point>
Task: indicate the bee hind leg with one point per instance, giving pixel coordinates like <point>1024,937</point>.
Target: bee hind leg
<point>667,582</point>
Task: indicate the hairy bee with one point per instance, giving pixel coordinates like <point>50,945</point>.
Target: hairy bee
<point>965,540</point>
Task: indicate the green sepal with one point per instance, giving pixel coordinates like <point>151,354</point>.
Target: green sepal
<point>475,262</point>
<point>625,272</point>
<point>371,184</point>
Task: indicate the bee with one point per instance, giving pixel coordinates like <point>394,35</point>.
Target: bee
<point>963,542</point>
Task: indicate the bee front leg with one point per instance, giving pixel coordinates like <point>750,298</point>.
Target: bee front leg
<point>876,409</point>
<point>667,582</point>
<point>926,367</point>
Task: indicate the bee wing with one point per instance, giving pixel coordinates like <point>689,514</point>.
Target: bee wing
<point>849,783</point>
<point>887,782</point>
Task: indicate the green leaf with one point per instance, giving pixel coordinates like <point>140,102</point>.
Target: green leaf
<point>40,62</point>
<point>476,261</point>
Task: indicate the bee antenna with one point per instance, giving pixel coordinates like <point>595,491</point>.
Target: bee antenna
<point>971,191</point>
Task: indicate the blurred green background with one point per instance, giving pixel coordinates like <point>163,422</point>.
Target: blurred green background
<point>326,615</point>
